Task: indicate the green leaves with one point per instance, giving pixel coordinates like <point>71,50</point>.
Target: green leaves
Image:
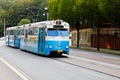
<point>15,10</point>
<point>24,21</point>
<point>95,11</point>
<point>61,9</point>
<point>110,9</point>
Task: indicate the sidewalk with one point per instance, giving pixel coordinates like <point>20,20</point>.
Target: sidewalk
<point>107,51</point>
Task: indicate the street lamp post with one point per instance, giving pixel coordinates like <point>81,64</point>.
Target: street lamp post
<point>4,27</point>
<point>47,14</point>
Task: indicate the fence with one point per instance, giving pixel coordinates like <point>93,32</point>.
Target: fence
<point>106,41</point>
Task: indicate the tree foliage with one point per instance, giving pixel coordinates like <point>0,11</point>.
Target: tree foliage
<point>15,10</point>
<point>53,9</point>
<point>24,21</point>
<point>61,9</point>
<point>94,11</point>
<point>110,10</point>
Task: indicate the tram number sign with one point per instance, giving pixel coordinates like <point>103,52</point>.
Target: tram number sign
<point>59,51</point>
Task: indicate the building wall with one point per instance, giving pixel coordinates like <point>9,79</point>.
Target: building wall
<point>85,37</point>
<point>108,35</point>
<point>110,31</point>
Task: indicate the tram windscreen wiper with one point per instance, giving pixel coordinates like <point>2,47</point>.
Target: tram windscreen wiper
<point>63,32</point>
<point>60,32</point>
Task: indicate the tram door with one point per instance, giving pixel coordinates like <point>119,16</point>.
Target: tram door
<point>15,38</point>
<point>41,40</point>
<point>8,38</point>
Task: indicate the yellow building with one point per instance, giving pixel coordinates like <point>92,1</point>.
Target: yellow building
<point>84,35</point>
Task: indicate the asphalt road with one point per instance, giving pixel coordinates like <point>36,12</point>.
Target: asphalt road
<point>29,66</point>
<point>6,73</point>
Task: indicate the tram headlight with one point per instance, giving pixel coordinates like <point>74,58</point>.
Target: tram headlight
<point>50,47</point>
<point>67,47</point>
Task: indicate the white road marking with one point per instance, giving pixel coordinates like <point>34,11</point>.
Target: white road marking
<point>97,62</point>
<point>17,71</point>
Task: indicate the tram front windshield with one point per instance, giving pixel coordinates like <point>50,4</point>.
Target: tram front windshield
<point>57,32</point>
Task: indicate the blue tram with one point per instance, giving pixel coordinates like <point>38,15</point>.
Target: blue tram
<point>44,37</point>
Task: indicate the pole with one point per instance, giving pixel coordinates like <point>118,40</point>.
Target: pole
<point>47,16</point>
<point>0,29</point>
<point>4,27</point>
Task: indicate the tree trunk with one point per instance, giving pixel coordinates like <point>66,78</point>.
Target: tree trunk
<point>98,37</point>
<point>78,35</point>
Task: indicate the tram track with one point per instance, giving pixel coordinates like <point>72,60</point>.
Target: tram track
<point>97,66</point>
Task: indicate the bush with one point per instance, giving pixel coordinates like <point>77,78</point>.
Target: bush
<point>24,21</point>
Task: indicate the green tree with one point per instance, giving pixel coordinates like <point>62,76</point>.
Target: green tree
<point>110,10</point>
<point>24,21</point>
<point>65,10</point>
<point>53,9</point>
<point>61,9</point>
<point>86,12</point>
<point>14,10</point>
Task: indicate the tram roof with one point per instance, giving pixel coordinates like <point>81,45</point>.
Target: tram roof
<point>14,28</point>
<point>11,28</point>
<point>48,23</point>
<point>41,24</point>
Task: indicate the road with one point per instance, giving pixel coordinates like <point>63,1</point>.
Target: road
<point>21,65</point>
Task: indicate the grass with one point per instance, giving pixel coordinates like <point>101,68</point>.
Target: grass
<point>107,51</point>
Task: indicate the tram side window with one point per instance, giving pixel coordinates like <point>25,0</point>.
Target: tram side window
<point>30,31</point>
<point>7,32</point>
<point>22,32</point>
<point>26,33</point>
<point>11,32</point>
<point>18,32</point>
<point>35,31</point>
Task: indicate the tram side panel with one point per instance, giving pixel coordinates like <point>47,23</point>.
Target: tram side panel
<point>29,42</point>
<point>32,43</point>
